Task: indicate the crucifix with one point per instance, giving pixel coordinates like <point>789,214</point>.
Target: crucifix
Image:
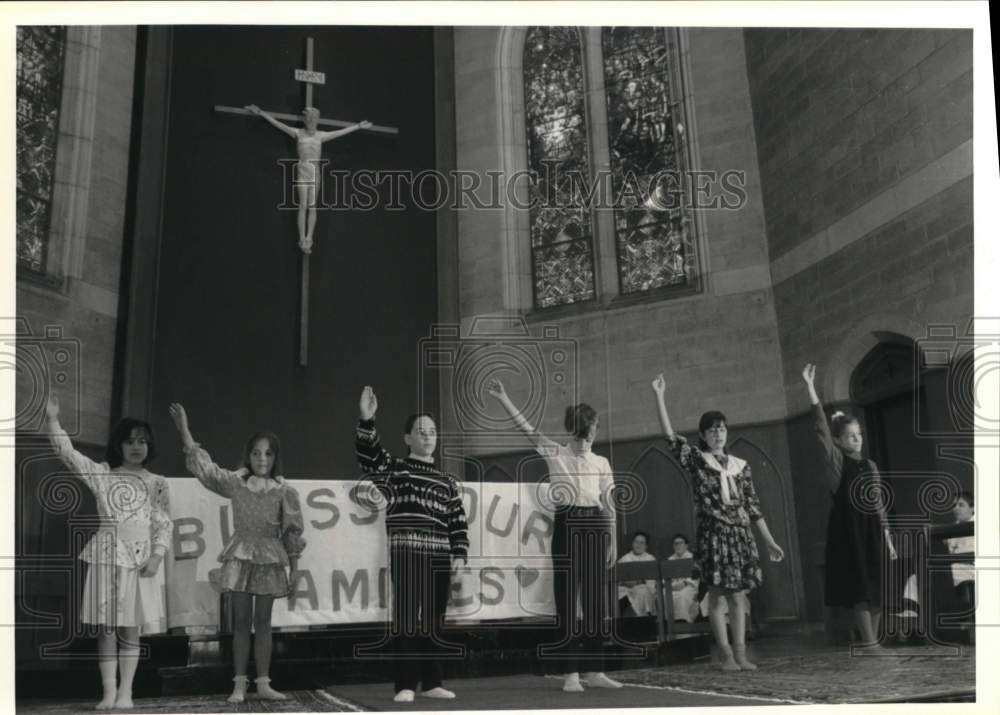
<point>308,179</point>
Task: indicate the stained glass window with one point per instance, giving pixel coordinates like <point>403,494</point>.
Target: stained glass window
<point>40,56</point>
<point>654,236</point>
<point>558,153</point>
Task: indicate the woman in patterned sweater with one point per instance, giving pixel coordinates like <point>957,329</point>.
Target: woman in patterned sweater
<point>428,540</point>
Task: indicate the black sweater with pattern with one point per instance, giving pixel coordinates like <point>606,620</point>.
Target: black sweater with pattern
<point>423,506</point>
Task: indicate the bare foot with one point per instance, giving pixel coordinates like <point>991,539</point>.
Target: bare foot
<point>107,702</point>
<point>740,654</point>
<point>124,701</point>
<point>729,664</point>
<point>265,690</point>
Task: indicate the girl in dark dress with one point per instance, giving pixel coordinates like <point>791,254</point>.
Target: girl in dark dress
<point>858,533</point>
<point>726,502</point>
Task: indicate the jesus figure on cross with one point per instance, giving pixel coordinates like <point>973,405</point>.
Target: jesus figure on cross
<point>309,141</point>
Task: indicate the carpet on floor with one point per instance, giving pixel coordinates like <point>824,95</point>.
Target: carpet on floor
<point>910,674</point>
<point>534,692</point>
<point>311,701</point>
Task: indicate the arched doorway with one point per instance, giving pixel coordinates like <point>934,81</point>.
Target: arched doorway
<point>892,402</point>
<point>912,432</point>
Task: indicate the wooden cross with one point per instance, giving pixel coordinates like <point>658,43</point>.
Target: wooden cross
<point>309,76</point>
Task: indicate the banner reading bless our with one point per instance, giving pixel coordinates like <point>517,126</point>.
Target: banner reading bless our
<point>342,576</point>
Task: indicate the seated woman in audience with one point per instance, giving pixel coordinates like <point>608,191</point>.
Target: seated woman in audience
<point>685,590</point>
<point>964,575</point>
<point>639,595</point>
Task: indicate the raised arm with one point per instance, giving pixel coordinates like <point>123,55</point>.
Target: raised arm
<point>80,464</point>
<point>659,389</point>
<point>257,111</point>
<point>372,457</point>
<point>541,442</point>
<point>678,445</point>
<point>833,457</point>
<point>327,136</point>
<point>213,477</point>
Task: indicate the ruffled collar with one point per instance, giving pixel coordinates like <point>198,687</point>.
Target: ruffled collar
<point>727,475</point>
<point>734,465</point>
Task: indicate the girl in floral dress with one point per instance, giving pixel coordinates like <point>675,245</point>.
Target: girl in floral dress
<point>123,591</point>
<point>267,539</point>
<point>726,503</point>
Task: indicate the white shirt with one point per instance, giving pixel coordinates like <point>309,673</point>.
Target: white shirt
<point>962,545</point>
<point>578,479</point>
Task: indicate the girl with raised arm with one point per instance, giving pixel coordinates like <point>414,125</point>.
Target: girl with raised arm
<point>428,542</point>
<point>858,533</point>
<point>583,536</point>
<point>309,144</point>
<point>726,504</point>
<point>267,540</point>
<point>123,591</point>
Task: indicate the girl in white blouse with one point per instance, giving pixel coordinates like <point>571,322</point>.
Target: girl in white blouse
<point>123,593</point>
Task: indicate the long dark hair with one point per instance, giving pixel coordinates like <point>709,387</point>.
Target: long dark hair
<point>273,442</point>
<point>123,432</point>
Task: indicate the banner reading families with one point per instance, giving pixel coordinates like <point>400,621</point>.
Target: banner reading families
<point>342,574</point>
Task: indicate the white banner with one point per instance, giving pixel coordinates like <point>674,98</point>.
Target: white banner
<point>342,575</point>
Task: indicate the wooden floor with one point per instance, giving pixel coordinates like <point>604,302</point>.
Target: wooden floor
<point>791,671</point>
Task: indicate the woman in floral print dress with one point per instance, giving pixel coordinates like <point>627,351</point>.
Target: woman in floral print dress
<point>726,503</point>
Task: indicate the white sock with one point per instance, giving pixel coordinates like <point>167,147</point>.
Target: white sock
<point>265,690</point>
<point>239,689</point>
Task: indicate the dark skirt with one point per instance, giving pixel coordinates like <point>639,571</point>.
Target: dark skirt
<point>854,549</point>
<point>726,555</point>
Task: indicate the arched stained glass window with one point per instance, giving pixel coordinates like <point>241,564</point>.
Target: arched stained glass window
<point>562,243</point>
<point>40,56</point>
<point>654,237</point>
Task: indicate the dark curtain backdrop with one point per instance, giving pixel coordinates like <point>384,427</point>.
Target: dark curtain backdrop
<point>227,315</point>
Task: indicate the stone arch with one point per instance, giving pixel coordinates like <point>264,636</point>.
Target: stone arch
<point>513,150</point>
<point>860,339</point>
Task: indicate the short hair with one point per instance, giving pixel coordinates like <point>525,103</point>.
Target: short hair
<point>679,535</point>
<point>273,442</point>
<point>310,111</point>
<point>641,533</point>
<point>840,421</point>
<point>412,420</point>
<point>122,432</point>
<point>579,419</point>
<point>968,497</point>
<point>708,420</point>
